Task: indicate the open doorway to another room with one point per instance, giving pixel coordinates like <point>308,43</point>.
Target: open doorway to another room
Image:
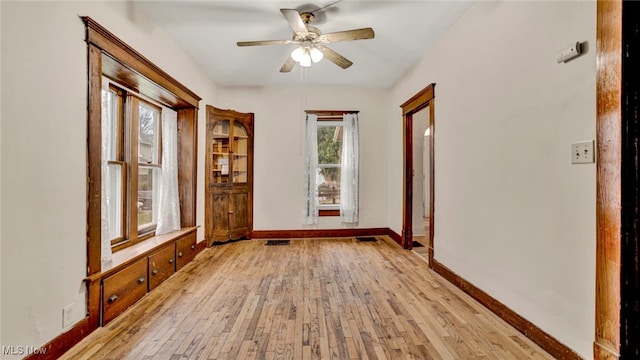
<point>421,195</point>
<point>418,182</point>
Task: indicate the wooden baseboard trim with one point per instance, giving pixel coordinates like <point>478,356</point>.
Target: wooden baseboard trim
<point>534,333</point>
<point>394,236</point>
<point>201,246</point>
<point>318,233</point>
<point>55,348</point>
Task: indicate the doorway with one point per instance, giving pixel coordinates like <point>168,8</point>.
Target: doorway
<point>418,199</point>
<point>421,194</point>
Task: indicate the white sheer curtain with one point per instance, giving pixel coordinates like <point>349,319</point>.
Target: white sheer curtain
<point>310,213</point>
<point>349,177</point>
<point>105,231</point>
<point>169,202</point>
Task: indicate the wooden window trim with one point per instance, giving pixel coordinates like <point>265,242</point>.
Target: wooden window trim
<point>330,115</point>
<point>128,127</point>
<point>328,212</point>
<point>111,57</point>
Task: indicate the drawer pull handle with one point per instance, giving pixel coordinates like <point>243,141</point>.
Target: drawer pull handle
<point>193,247</point>
<point>140,280</point>
<point>170,261</point>
<point>112,298</point>
<point>180,254</point>
<point>155,271</point>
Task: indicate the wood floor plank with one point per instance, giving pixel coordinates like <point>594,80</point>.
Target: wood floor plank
<point>313,299</point>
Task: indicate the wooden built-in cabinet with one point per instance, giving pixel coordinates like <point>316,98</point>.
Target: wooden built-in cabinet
<point>185,250</point>
<point>229,175</point>
<point>123,289</point>
<point>141,268</point>
<point>162,264</point>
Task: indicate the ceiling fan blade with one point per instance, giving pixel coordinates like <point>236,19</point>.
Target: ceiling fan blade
<point>294,20</point>
<point>356,34</point>
<point>288,65</point>
<point>324,7</point>
<point>334,57</point>
<point>264,42</point>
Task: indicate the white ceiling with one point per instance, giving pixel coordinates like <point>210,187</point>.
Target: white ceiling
<point>209,30</point>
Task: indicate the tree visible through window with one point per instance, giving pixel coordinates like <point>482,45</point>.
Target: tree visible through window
<point>329,164</point>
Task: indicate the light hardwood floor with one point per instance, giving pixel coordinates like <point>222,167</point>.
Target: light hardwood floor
<point>312,299</point>
<point>423,251</point>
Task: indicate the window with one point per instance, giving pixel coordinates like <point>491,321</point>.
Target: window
<point>132,151</point>
<point>114,178</point>
<point>331,165</point>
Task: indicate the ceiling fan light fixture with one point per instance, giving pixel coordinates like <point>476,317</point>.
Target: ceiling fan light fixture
<point>316,54</point>
<point>297,54</point>
<point>306,59</point>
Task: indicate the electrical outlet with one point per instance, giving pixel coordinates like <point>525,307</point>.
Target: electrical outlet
<point>67,316</point>
<point>582,152</point>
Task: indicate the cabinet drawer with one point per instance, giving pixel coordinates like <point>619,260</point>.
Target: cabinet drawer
<point>185,250</point>
<point>123,289</point>
<point>161,265</point>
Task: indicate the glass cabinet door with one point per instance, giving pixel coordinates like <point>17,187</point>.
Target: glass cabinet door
<point>240,153</point>
<point>220,152</point>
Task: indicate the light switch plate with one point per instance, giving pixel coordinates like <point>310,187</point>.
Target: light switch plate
<point>67,316</point>
<point>583,152</point>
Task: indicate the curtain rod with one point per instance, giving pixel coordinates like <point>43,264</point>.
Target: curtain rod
<point>331,113</point>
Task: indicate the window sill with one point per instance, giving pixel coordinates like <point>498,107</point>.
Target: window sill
<point>329,212</point>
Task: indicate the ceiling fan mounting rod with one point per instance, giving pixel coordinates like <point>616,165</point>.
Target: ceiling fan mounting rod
<point>307,17</point>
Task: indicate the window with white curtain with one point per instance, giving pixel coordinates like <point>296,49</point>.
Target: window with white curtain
<point>139,191</point>
<point>331,166</point>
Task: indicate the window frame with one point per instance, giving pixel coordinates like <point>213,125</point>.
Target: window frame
<point>324,116</point>
<point>148,230</point>
<point>127,152</point>
<point>109,56</point>
<point>328,209</point>
<point>120,96</point>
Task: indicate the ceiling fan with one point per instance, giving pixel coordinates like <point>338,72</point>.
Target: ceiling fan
<point>311,41</point>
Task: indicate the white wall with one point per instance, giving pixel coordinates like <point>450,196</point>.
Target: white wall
<point>279,152</point>
<point>512,215</point>
<point>43,147</point>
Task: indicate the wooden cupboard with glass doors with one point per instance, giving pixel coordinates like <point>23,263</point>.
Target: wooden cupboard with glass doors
<point>229,175</point>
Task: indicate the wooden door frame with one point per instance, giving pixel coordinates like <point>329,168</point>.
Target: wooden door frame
<point>608,178</point>
<point>424,98</point>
